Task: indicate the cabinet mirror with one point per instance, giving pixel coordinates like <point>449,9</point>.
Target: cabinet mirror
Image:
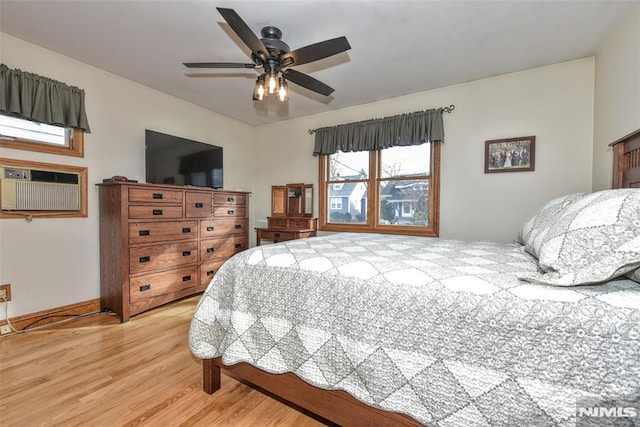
<point>308,200</point>
<point>292,200</point>
<point>295,201</point>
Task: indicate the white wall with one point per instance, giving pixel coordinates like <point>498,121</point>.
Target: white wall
<point>617,94</point>
<point>553,103</point>
<point>55,262</point>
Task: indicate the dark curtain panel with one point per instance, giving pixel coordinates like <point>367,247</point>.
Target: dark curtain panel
<point>377,134</point>
<point>33,97</point>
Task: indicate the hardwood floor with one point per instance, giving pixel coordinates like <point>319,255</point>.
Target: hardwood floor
<point>95,371</point>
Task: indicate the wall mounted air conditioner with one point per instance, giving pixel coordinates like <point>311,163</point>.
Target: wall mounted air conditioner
<point>33,189</point>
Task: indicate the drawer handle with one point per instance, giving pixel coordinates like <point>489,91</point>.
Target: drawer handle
<point>145,288</point>
<point>211,272</point>
<point>145,258</point>
<point>230,211</point>
<point>186,278</point>
<point>186,230</point>
<point>210,228</point>
<point>276,235</point>
<point>157,211</point>
<point>186,253</point>
<point>209,250</point>
<point>238,226</point>
<point>145,232</point>
<point>238,245</point>
<point>199,205</point>
<point>157,195</point>
<point>230,199</point>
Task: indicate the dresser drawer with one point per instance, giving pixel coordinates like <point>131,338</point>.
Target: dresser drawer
<point>277,222</point>
<point>221,227</point>
<point>197,205</point>
<point>156,257</point>
<point>155,195</point>
<point>149,232</point>
<point>277,236</point>
<point>300,223</point>
<point>229,211</point>
<point>156,211</point>
<point>229,199</point>
<point>154,285</point>
<point>222,248</point>
<point>207,271</point>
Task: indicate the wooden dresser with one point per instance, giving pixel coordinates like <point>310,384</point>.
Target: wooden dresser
<point>160,243</point>
<point>291,212</point>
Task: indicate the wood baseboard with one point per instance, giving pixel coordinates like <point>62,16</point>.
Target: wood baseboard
<point>53,314</point>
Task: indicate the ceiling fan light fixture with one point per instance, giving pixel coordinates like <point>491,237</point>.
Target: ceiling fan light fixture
<point>273,82</point>
<point>274,57</point>
<point>259,90</point>
<point>283,92</point>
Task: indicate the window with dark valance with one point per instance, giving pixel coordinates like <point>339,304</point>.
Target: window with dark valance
<point>382,175</point>
<point>377,134</point>
<point>41,114</point>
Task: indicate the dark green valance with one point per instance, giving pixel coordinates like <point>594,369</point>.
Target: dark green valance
<point>33,97</point>
<point>377,134</point>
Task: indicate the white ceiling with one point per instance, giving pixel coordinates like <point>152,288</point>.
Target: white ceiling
<point>398,47</point>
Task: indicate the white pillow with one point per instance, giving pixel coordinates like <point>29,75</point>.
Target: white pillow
<point>595,239</point>
<point>534,229</point>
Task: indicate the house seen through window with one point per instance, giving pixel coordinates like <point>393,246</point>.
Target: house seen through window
<point>392,190</point>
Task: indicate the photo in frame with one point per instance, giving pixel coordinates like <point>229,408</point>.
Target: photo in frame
<point>510,154</point>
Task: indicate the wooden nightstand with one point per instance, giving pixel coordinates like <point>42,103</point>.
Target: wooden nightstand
<point>291,212</point>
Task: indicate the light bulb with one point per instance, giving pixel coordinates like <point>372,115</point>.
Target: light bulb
<point>282,92</point>
<point>272,83</point>
<point>258,92</point>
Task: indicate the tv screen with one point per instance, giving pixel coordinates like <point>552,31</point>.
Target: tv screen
<point>180,161</point>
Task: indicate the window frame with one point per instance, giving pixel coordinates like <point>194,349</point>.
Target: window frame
<point>75,148</point>
<point>432,229</point>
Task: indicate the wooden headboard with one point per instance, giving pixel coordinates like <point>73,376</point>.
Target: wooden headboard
<point>626,161</point>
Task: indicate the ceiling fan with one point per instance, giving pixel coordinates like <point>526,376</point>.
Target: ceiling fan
<point>274,57</point>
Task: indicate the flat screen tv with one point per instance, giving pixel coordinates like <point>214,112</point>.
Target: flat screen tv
<point>180,161</point>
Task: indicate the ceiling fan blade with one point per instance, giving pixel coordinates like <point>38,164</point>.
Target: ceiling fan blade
<point>307,81</point>
<point>218,65</point>
<point>316,51</point>
<point>244,32</point>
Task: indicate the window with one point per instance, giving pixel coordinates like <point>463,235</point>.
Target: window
<point>33,136</point>
<point>395,190</point>
<point>336,203</point>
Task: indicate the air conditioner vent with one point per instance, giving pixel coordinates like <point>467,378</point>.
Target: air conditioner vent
<point>34,196</point>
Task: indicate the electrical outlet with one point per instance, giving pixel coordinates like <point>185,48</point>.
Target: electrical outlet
<point>5,292</point>
<point>5,329</point>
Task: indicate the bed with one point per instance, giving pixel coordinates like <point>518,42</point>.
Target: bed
<point>366,329</point>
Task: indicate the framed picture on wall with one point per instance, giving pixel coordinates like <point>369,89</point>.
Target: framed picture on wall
<point>510,154</point>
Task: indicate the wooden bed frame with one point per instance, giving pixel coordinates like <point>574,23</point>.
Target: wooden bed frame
<point>342,408</point>
<point>626,161</point>
<point>334,405</point>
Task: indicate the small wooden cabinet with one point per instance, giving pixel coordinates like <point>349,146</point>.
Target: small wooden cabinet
<point>159,243</point>
<point>291,214</point>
